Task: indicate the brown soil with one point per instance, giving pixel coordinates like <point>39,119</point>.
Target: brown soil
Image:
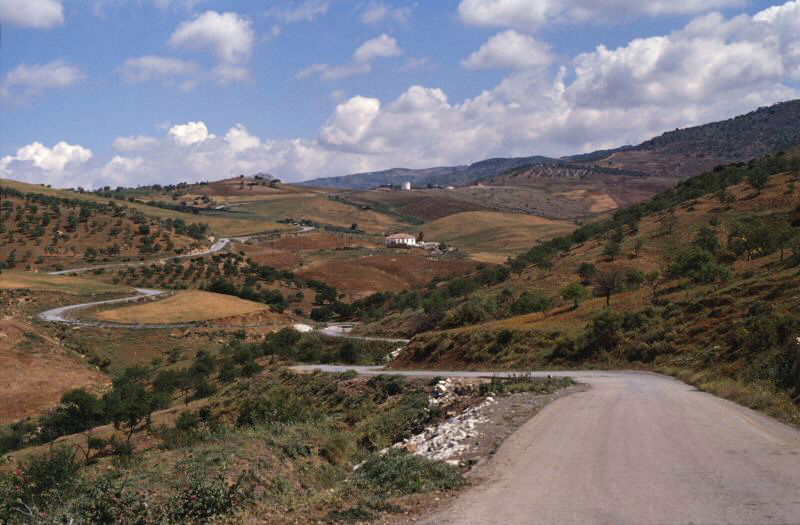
<point>426,205</point>
<point>378,273</point>
<point>318,241</point>
<point>37,371</point>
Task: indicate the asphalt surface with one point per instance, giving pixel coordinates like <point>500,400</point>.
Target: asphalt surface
<point>57,315</point>
<point>635,448</point>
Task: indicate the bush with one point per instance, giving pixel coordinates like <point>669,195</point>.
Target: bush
<point>388,385</point>
<point>42,481</point>
<point>398,473</point>
<point>77,411</point>
<point>203,497</point>
<point>407,417</point>
<point>109,501</point>
<point>530,302</point>
<point>277,405</point>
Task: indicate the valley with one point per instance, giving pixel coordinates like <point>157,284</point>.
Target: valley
<point>278,351</point>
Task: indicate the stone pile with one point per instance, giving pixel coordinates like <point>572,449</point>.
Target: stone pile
<point>449,438</point>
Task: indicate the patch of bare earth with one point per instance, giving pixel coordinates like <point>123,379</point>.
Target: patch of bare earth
<point>37,371</point>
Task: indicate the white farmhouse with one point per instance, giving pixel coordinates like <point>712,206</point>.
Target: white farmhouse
<point>400,239</point>
<point>406,186</point>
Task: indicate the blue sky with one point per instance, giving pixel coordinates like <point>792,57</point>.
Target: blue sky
<point>141,91</point>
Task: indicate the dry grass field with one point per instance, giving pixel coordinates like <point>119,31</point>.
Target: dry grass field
<point>37,371</point>
<point>387,272</point>
<point>318,208</point>
<point>493,236</point>
<point>424,205</point>
<point>15,279</point>
<point>183,307</point>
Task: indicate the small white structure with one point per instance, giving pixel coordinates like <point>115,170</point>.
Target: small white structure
<point>401,239</point>
<point>406,186</point>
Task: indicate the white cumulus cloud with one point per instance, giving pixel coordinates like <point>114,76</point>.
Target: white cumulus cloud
<point>382,46</point>
<point>350,121</point>
<point>25,82</point>
<point>240,139</point>
<point>40,14</point>
<point>228,36</point>
<point>532,14</point>
<point>37,163</point>
<point>510,50</point>
<point>190,133</point>
<point>379,47</point>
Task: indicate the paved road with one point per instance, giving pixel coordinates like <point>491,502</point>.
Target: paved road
<point>636,448</point>
<point>57,315</point>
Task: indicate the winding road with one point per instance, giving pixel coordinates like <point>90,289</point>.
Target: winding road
<point>635,448</point>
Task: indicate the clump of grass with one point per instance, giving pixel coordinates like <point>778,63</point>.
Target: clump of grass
<point>398,473</point>
<point>524,382</point>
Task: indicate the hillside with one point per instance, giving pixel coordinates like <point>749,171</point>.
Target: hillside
<point>219,223</point>
<point>675,154</point>
<point>700,280</point>
<point>41,231</point>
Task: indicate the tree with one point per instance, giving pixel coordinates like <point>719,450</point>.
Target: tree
<point>707,239</point>
<point>609,281</point>
<point>653,280</point>
<point>669,221</point>
<point>517,265</point>
<point>546,264</point>
<point>612,249</point>
<point>354,226</point>
<point>634,278</point>
<point>782,235</point>
<point>605,332</point>
<point>637,247</point>
<point>587,271</point>
<point>758,178</point>
<point>574,292</point>
<point>130,403</point>
<point>699,265</point>
<point>420,236</point>
<point>529,302</point>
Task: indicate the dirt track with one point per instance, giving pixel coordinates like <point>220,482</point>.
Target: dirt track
<point>636,448</point>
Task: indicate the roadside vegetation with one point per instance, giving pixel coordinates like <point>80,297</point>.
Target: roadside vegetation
<point>275,445</point>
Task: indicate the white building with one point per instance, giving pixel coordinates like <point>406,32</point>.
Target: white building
<point>406,186</point>
<point>401,239</point>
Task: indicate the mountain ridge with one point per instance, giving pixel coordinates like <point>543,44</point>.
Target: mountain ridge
<point>678,154</point>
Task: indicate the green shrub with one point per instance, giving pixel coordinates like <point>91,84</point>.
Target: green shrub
<point>407,417</point>
<point>202,497</point>
<point>277,405</point>
<point>109,500</point>
<point>398,473</point>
